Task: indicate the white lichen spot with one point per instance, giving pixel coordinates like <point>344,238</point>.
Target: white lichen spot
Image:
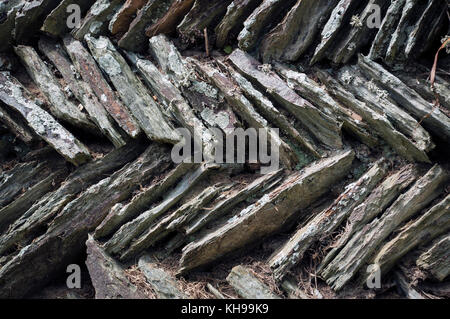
<point>356,22</point>
<point>110,65</point>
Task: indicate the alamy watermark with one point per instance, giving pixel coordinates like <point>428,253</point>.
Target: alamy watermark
<point>252,146</point>
<point>73,281</point>
<point>74,19</point>
<point>374,279</point>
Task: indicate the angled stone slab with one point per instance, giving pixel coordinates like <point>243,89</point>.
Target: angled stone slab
<point>379,199</point>
<point>13,94</point>
<point>86,66</point>
<point>268,214</point>
<point>367,241</point>
<point>17,126</point>
<point>122,241</point>
<point>135,38</point>
<point>173,100</point>
<point>430,225</point>
<point>248,286</point>
<point>164,285</point>
<point>203,97</point>
<point>331,31</point>
<point>9,9</point>
<point>82,91</point>
<point>268,110</point>
<point>107,276</point>
<point>60,106</point>
<point>430,117</point>
<point>260,21</point>
<point>323,127</point>
<point>313,92</point>
<point>436,259</point>
<point>379,122</point>
<point>296,32</point>
<point>124,212</point>
<point>132,91</point>
<point>23,231</point>
<point>244,108</point>
<point>120,22</point>
<point>30,18</point>
<point>65,237</point>
<point>19,206</point>
<point>171,19</point>
<point>203,14</point>
<point>226,203</point>
<point>96,20</point>
<point>233,21</point>
<point>326,221</point>
<point>367,90</point>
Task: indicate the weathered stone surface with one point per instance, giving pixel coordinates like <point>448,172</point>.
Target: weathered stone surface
<point>60,106</point>
<point>366,90</point>
<point>317,95</point>
<point>295,34</point>
<point>96,20</point>
<point>20,176</point>
<point>65,236</point>
<point>17,126</point>
<point>248,286</point>
<point>233,21</point>
<point>12,93</point>
<point>360,33</point>
<point>326,221</point>
<point>431,117</point>
<point>85,65</point>
<point>436,259</point>
<point>132,91</point>
<point>261,20</point>
<point>244,108</point>
<point>120,22</point>
<point>227,202</point>
<point>123,213</point>
<point>416,28</point>
<point>169,22</point>
<point>384,35</point>
<point>55,23</point>
<point>268,110</point>
<point>164,285</point>
<point>82,91</point>
<point>178,218</point>
<point>30,18</point>
<point>331,31</point>
<point>135,38</point>
<point>203,97</point>
<point>8,9</point>
<point>379,199</point>
<point>203,14</point>
<point>131,238</point>
<point>19,206</point>
<point>379,122</point>
<point>422,86</point>
<point>269,214</point>
<point>322,126</point>
<point>426,30</point>
<point>43,211</point>
<point>364,243</point>
<point>431,224</point>
<point>173,100</point>
<point>107,276</point>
